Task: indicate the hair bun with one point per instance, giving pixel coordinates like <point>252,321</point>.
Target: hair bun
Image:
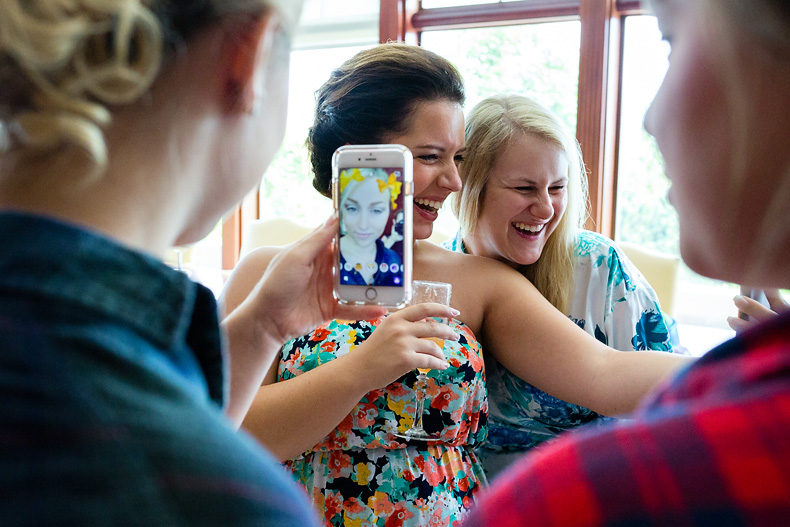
<point>77,56</point>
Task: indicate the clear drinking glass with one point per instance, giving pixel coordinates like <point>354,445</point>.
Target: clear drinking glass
<point>439,293</point>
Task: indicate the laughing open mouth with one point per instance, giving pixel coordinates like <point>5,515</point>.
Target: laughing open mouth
<point>528,229</point>
<point>428,205</point>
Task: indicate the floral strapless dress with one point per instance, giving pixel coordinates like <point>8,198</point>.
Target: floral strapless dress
<point>362,474</point>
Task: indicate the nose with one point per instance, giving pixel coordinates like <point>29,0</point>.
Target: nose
<point>450,178</point>
<point>542,208</point>
<point>364,219</point>
<point>647,120</point>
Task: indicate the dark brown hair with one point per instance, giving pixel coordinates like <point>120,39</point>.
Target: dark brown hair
<point>372,96</point>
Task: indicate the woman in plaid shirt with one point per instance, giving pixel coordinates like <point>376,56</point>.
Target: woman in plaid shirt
<point>712,447</point>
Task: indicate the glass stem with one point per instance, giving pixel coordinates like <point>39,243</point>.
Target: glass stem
<point>419,389</point>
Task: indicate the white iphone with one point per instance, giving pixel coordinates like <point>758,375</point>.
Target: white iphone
<point>372,194</point>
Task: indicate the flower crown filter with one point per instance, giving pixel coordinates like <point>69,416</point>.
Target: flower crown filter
<point>392,183</point>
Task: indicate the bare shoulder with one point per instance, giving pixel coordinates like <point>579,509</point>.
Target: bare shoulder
<point>245,277</point>
<point>432,261</point>
<point>479,283</point>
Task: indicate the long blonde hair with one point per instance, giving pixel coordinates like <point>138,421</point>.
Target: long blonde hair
<point>64,63</point>
<point>490,126</point>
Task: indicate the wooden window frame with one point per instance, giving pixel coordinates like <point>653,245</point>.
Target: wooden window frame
<point>600,82</point>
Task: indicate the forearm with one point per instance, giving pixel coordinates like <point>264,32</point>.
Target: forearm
<point>291,416</point>
<point>251,353</point>
<point>624,378</point>
<point>539,344</point>
<point>574,367</point>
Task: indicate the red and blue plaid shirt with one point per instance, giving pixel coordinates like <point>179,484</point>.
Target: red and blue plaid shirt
<point>711,448</point>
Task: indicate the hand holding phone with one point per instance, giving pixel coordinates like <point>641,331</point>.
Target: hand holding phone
<point>372,194</point>
<point>755,294</point>
<point>756,305</point>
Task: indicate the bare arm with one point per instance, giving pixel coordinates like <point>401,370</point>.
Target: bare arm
<point>291,416</point>
<point>535,341</point>
<point>272,296</point>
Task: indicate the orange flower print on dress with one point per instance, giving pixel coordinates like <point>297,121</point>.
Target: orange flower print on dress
<point>319,334</point>
<point>381,504</point>
<point>361,474</point>
<point>398,517</point>
<point>339,464</point>
<point>442,400</point>
<point>333,504</point>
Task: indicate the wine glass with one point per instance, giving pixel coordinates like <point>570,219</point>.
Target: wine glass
<point>439,293</point>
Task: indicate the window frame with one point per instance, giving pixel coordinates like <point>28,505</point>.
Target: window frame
<point>600,81</point>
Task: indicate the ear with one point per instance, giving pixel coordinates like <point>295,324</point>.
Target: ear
<point>248,47</point>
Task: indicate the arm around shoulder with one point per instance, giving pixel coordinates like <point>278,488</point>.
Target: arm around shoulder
<point>541,345</point>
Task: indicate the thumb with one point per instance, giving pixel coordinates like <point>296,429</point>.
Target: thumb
<point>307,250</point>
<point>318,240</point>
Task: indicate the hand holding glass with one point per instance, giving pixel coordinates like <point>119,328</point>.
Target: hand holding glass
<point>422,292</point>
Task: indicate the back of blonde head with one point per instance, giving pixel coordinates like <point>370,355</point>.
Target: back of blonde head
<point>490,126</point>
<point>65,63</point>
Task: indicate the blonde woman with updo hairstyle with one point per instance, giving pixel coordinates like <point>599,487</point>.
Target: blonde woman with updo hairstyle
<point>523,203</point>
<point>710,447</point>
<point>127,127</point>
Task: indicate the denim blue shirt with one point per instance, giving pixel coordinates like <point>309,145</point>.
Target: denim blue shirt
<point>112,382</point>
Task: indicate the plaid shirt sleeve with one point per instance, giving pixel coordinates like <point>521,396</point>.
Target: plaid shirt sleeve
<point>713,448</point>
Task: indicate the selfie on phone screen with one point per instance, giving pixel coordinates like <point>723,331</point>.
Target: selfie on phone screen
<point>371,227</point>
<point>372,194</point>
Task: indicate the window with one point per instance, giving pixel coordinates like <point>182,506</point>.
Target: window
<point>429,4</point>
<point>287,188</point>
<point>330,32</point>
<point>537,60</point>
<point>644,215</point>
<point>493,60</point>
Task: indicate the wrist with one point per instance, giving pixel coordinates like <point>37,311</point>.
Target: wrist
<point>355,374</point>
<point>251,330</point>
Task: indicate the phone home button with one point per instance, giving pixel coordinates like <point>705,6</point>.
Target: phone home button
<point>371,293</point>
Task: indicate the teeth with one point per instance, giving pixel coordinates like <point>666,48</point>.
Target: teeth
<point>435,205</point>
<point>529,228</point>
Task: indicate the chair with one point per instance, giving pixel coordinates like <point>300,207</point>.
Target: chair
<point>274,232</point>
<point>659,269</point>
<point>178,257</point>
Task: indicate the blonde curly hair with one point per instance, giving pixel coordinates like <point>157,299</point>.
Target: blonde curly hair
<point>63,62</point>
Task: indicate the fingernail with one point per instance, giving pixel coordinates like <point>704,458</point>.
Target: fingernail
<point>739,299</point>
<point>331,218</point>
<point>454,311</point>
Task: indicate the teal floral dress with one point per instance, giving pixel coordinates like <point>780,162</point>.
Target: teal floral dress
<point>361,474</point>
<point>611,301</point>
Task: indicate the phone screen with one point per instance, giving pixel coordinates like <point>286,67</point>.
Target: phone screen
<point>371,214</point>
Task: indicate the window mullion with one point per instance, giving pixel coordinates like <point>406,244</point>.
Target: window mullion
<point>598,82</point>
